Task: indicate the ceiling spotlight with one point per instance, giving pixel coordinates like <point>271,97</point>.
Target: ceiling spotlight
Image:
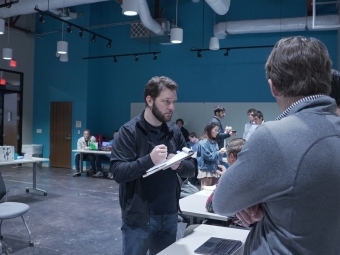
<point>69,29</point>
<point>199,54</point>
<point>41,18</point>
<point>115,59</point>
<point>136,57</point>
<point>154,56</point>
<point>81,33</point>
<point>226,53</point>
<point>109,44</point>
<point>93,38</point>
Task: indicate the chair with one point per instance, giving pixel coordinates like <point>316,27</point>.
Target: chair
<point>9,210</point>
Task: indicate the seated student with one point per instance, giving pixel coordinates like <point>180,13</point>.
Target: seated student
<point>185,132</point>
<point>335,92</point>
<point>105,158</point>
<point>234,146</point>
<point>194,141</point>
<point>83,143</point>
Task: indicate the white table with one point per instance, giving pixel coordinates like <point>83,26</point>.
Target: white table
<point>194,206</point>
<point>187,245</point>
<point>35,162</point>
<point>81,152</point>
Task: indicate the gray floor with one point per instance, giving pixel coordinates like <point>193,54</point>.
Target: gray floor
<point>79,215</point>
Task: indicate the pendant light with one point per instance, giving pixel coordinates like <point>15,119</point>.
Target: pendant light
<point>176,33</point>
<point>214,42</point>
<point>7,53</point>
<point>2,26</point>
<point>63,58</point>
<point>130,7</point>
<point>62,46</point>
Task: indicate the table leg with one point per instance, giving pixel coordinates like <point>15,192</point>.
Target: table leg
<point>81,163</point>
<point>35,180</point>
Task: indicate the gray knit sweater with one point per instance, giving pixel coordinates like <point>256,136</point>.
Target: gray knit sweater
<point>292,167</point>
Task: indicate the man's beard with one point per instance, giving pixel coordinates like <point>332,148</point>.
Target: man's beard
<point>159,116</point>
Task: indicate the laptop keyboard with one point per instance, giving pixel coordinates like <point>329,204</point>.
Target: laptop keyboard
<point>225,247</point>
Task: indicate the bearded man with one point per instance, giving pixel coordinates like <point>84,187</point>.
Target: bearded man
<point>149,205</point>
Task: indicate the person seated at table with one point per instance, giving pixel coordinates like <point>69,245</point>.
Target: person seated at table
<point>234,146</point>
<point>100,158</point>
<point>83,143</point>
<point>185,132</point>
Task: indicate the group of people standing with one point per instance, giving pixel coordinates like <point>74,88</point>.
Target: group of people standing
<point>284,183</point>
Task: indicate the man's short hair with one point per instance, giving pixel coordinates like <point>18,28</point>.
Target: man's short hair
<point>258,114</point>
<point>234,146</point>
<point>335,84</point>
<point>156,85</point>
<point>192,135</point>
<point>251,110</point>
<point>218,108</point>
<point>180,120</point>
<point>299,66</point>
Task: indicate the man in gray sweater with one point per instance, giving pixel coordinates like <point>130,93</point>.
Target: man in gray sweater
<point>288,188</point>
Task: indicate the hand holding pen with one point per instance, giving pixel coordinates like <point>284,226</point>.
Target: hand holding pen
<point>159,153</point>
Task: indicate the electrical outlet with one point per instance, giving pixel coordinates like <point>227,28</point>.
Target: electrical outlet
<point>39,131</point>
<point>78,132</point>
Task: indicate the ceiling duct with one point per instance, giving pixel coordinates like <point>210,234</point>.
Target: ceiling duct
<point>142,34</point>
<point>222,29</point>
<point>221,7</point>
<point>27,6</point>
<point>147,20</point>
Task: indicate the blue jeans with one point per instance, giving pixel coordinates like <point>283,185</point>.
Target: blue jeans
<point>86,156</point>
<point>159,234</point>
<point>99,159</point>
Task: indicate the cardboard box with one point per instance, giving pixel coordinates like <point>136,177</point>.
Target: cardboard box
<point>7,153</point>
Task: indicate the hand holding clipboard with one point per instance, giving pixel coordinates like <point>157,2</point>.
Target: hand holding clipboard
<point>185,153</point>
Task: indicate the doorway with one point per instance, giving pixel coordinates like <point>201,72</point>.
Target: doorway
<point>60,134</point>
<point>11,87</point>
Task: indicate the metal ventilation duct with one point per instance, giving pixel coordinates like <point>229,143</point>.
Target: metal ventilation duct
<point>222,29</point>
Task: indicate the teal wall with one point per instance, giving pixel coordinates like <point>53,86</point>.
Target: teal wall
<point>101,90</point>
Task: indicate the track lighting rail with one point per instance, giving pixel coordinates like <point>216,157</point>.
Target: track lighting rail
<point>227,49</point>
<point>70,25</point>
<point>115,56</point>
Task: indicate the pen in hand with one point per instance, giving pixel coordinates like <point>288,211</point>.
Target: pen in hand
<point>153,145</point>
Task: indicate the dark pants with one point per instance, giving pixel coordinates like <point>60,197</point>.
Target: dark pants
<point>86,156</point>
<point>100,158</point>
<point>159,234</point>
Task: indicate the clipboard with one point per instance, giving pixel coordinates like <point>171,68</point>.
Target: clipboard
<point>185,153</point>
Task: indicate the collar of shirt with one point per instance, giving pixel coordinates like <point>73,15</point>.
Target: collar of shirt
<point>305,99</point>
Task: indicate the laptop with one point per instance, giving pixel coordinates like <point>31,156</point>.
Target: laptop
<point>219,246</point>
<point>104,144</point>
<point>93,146</point>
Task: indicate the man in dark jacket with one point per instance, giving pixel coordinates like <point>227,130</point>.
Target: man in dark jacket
<point>150,205</point>
<point>219,112</point>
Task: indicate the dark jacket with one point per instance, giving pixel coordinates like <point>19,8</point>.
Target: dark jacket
<point>130,159</point>
<point>221,135</point>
